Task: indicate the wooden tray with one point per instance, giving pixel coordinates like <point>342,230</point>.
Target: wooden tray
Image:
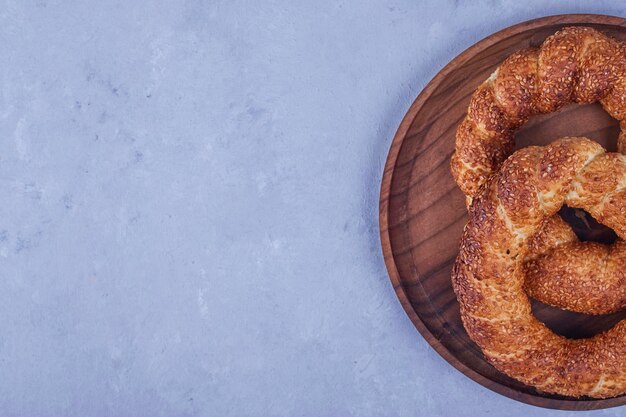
<point>422,212</point>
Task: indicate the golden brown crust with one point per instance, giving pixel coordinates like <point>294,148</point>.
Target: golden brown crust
<point>515,85</point>
<point>596,285</point>
<point>554,232</point>
<point>488,276</point>
<point>576,64</point>
<point>615,100</point>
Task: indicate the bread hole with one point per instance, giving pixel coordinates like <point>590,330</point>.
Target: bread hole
<point>586,227</point>
<point>574,325</point>
<point>589,120</point>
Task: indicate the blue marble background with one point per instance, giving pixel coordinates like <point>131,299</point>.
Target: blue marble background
<point>188,217</point>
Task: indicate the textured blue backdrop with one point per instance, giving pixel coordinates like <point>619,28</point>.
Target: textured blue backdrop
<point>188,217</point>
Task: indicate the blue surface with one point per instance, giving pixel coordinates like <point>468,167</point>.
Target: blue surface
<point>189,197</point>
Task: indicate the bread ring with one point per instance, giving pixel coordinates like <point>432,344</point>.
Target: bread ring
<point>576,64</point>
<point>488,274</point>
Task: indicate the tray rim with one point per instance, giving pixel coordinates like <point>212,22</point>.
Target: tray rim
<point>394,150</point>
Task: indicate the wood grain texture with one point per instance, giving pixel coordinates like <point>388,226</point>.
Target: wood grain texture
<point>422,212</point>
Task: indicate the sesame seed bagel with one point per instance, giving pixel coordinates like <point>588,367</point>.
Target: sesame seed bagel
<point>575,65</point>
<point>488,276</point>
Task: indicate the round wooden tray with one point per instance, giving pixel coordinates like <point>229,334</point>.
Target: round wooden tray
<point>422,212</point>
